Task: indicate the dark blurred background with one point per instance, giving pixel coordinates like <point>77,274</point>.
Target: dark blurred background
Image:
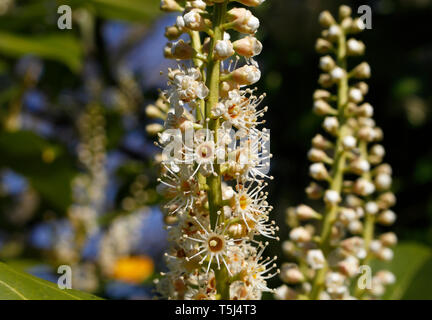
<point>112,57</point>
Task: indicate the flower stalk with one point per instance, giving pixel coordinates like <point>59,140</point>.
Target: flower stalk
<point>330,244</point>
<point>214,157</point>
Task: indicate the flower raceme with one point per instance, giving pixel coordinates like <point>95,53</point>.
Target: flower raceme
<point>214,155</point>
<point>330,245</point>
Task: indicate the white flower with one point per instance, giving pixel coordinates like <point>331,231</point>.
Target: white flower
<point>332,197</point>
<point>315,259</point>
<point>224,49</point>
<point>349,142</point>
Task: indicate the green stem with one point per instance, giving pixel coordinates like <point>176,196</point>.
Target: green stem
<point>214,182</point>
<point>337,171</point>
<point>369,225</point>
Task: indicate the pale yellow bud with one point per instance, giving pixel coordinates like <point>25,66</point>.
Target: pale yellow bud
<point>248,47</point>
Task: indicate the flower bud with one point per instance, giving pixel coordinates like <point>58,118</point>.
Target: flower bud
<point>248,47</point>
<point>383,181</point>
<point>337,73</point>
<point>331,124</point>
<point>314,191</point>
<point>363,187</point>
<point>344,11</point>
<point>378,150</point>
<point>355,95</point>
<point>326,19</point>
<point>318,171</point>
<point>325,80</point>
<point>182,50</point>
<point>321,94</point>
<point>322,108</point>
<point>154,128</point>
<point>304,212</point>
<point>346,24</point>
<point>243,21</point>
<point>386,218</point>
<point>355,47</point>
<point>388,239</point>
<point>246,75</point>
<point>334,32</point>
<point>365,110</point>
<point>197,4</point>
<point>154,112</point>
<point>360,166</point>
<point>332,197</point>
<point>385,254</point>
<point>385,277</point>
<point>315,259</point>
<point>323,46</point>
<point>362,71</point>
<point>173,32</point>
<point>320,142</point>
<point>357,26</point>
<point>251,3</point>
<point>386,200</point>
<point>170,5</point>
<point>291,274</point>
<point>223,49</point>
<point>300,234</point>
<point>317,155</point>
<point>194,21</point>
<point>363,87</point>
<point>349,142</point>
<point>371,207</point>
<point>327,63</point>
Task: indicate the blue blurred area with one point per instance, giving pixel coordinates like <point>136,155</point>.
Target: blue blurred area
<point>12,182</point>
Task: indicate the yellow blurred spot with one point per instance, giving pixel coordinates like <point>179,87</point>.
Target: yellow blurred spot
<point>133,269</point>
<point>48,155</point>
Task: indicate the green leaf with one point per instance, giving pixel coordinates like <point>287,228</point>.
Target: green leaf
<point>61,47</point>
<point>47,165</point>
<point>15,285</point>
<point>129,10</point>
<point>411,265</point>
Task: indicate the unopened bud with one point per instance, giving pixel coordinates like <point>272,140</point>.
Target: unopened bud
<point>243,21</point>
<point>318,171</point>
<point>386,218</point>
<point>314,191</point>
<point>337,73</point>
<point>362,71</point>
<point>326,19</point>
<point>331,124</point>
<point>154,128</point>
<point>388,239</point>
<point>327,63</point>
<point>363,187</point>
<point>304,212</point>
<point>246,75</point>
<point>194,21</point>
<point>223,49</point>
<point>323,46</point>
<point>173,32</point>
<point>154,112</point>
<point>332,197</point>
<point>355,47</point>
<point>349,142</point>
<point>291,274</point>
<point>170,5</point>
<point>321,94</point>
<point>300,234</point>
<point>182,50</point>
<point>251,3</point>
<point>322,108</point>
<point>344,11</point>
<point>248,47</point>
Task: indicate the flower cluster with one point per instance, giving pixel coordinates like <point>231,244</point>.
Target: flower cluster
<point>330,244</point>
<point>215,157</point>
